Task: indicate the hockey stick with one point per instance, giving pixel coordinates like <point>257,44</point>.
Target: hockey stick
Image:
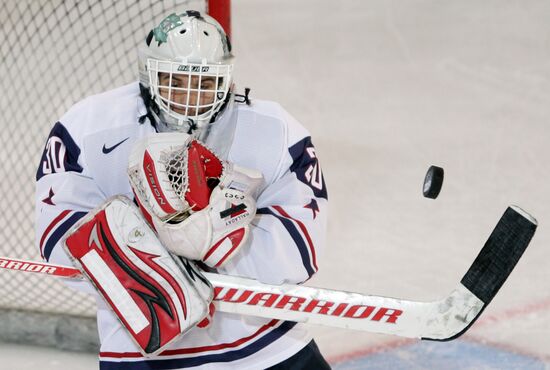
<point>445,319</point>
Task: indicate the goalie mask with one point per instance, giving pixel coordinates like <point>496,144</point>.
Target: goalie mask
<point>185,65</point>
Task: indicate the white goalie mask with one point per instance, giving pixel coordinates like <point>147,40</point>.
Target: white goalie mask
<point>186,64</point>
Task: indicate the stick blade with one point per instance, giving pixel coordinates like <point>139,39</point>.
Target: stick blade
<point>500,254</point>
<point>495,262</point>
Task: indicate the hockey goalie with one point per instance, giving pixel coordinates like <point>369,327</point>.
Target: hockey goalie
<point>211,177</point>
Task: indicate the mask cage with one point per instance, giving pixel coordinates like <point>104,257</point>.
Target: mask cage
<point>188,91</point>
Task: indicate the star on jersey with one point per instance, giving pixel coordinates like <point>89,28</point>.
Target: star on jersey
<point>313,206</point>
<point>48,199</point>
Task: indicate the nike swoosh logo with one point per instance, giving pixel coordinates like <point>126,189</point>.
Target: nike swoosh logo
<point>110,149</point>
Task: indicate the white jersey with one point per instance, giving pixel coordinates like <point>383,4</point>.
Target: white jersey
<point>85,162</point>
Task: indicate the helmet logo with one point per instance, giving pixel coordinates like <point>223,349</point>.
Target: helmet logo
<point>186,68</point>
<point>167,24</point>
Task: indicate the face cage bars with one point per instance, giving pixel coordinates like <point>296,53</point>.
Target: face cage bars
<point>221,88</point>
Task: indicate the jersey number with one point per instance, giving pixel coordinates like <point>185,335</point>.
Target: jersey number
<point>55,156</point>
<point>313,173</point>
<point>307,168</point>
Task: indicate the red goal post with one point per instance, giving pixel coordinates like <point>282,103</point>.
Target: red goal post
<point>221,11</point>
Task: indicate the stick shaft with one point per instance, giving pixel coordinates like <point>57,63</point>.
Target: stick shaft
<point>440,320</point>
<point>291,302</point>
<point>40,268</point>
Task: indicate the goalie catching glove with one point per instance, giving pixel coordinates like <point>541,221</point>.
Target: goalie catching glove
<point>156,296</point>
<point>199,205</point>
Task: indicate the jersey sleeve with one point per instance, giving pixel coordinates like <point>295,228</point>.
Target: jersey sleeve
<point>64,192</point>
<point>289,229</point>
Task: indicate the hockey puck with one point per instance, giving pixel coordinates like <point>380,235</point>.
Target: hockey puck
<point>433,182</point>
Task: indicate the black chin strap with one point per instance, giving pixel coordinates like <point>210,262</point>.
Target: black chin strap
<point>239,98</point>
<point>150,106</point>
<point>192,127</point>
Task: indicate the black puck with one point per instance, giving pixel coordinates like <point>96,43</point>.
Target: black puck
<point>433,182</point>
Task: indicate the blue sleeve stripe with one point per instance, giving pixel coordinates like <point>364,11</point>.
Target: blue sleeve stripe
<point>296,237</point>
<point>59,232</point>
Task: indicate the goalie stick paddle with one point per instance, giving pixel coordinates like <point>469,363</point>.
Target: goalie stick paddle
<point>441,320</point>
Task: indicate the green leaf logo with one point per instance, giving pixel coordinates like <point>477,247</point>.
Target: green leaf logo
<point>167,24</point>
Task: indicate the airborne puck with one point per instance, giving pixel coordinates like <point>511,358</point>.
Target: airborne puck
<point>433,182</point>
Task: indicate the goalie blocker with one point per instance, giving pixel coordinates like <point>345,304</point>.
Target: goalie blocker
<point>157,297</point>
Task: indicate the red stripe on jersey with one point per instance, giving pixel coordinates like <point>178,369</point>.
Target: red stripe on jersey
<point>49,228</point>
<point>185,351</point>
<point>304,231</point>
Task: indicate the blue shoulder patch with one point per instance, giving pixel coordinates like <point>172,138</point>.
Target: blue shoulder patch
<point>307,168</point>
<point>60,153</point>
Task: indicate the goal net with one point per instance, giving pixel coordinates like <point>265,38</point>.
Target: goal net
<point>54,53</point>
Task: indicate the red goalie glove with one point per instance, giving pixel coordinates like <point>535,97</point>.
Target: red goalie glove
<point>173,175</point>
<point>199,205</point>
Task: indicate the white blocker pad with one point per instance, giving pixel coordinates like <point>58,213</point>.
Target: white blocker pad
<point>155,296</point>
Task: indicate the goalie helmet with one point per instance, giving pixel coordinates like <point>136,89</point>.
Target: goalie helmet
<point>185,69</point>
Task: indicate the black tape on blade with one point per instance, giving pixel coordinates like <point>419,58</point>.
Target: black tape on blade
<point>500,254</point>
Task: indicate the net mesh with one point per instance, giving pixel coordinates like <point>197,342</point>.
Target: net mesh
<point>54,53</point>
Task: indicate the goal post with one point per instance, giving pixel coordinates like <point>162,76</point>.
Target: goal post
<point>53,54</point>
<point>221,11</point>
